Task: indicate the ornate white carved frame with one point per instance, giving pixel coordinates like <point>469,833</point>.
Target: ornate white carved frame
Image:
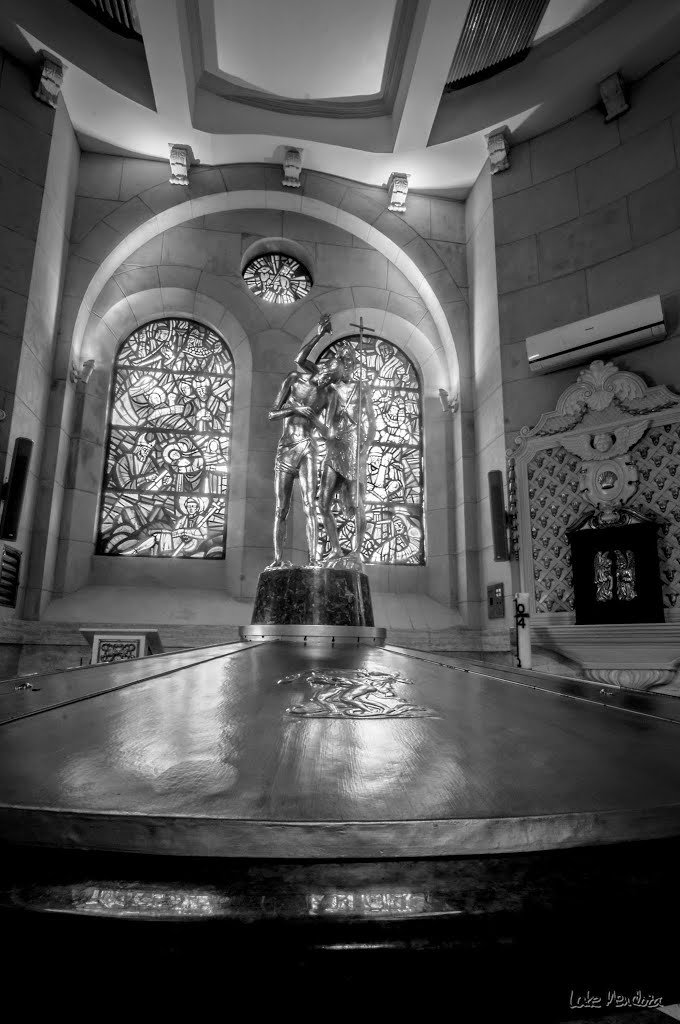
<point>604,399</point>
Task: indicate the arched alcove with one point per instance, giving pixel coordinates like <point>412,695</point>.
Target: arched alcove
<point>75,563</point>
<point>422,332</point>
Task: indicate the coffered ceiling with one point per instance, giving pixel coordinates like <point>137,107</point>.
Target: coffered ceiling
<point>307,49</point>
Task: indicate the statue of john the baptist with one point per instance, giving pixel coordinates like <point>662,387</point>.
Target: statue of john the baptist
<point>350,430</point>
<point>322,399</point>
<point>302,399</point>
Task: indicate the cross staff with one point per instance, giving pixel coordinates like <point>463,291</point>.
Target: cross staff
<point>361,327</point>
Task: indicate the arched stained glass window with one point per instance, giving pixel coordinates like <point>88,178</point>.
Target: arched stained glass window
<point>168,446</point>
<point>394,469</point>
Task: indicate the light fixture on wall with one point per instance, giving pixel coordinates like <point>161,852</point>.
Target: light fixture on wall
<point>449,405</point>
<point>397,187</point>
<point>83,374</point>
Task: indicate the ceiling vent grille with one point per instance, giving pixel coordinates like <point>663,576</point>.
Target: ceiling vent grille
<point>496,34</point>
<point>10,563</point>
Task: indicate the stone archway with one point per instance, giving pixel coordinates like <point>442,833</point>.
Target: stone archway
<point>250,199</point>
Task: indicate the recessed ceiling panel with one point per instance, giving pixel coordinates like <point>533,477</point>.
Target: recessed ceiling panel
<point>302,49</point>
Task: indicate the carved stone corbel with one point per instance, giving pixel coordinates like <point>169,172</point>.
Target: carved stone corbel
<point>397,188</point>
<point>613,96</point>
<point>292,166</point>
<point>49,78</point>
<point>498,148</point>
<point>181,158</point>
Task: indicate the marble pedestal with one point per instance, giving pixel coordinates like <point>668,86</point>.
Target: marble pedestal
<point>313,597</point>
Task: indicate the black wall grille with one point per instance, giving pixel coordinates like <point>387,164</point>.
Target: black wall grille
<point>496,34</point>
<point>10,563</point>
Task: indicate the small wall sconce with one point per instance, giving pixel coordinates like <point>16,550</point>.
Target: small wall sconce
<point>292,165</point>
<point>397,187</point>
<point>449,405</point>
<point>82,375</point>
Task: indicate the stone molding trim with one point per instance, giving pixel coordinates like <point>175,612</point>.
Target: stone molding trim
<point>552,472</point>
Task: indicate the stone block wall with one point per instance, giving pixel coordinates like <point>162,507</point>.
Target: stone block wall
<point>588,219</point>
<point>26,128</point>
<point>38,168</point>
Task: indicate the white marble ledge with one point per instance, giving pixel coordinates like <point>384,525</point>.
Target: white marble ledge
<point>639,656</point>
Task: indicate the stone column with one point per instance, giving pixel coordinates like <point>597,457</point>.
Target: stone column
<point>38,166</point>
<point>487,426</point>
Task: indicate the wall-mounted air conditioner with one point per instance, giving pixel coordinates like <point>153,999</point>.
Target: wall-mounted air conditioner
<point>640,323</point>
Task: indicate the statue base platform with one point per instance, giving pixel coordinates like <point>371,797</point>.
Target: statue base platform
<point>316,636</point>
<point>312,596</point>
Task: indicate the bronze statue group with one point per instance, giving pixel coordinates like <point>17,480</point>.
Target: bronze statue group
<point>323,400</point>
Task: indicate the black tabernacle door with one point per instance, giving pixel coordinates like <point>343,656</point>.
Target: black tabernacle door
<point>616,573</point>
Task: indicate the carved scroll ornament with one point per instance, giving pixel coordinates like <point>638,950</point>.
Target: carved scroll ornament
<point>600,387</point>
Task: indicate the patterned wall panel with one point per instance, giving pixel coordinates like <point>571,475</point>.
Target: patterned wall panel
<point>657,459</point>
<point>555,462</point>
<point>554,505</point>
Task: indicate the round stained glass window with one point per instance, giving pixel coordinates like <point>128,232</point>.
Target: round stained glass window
<point>275,277</point>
